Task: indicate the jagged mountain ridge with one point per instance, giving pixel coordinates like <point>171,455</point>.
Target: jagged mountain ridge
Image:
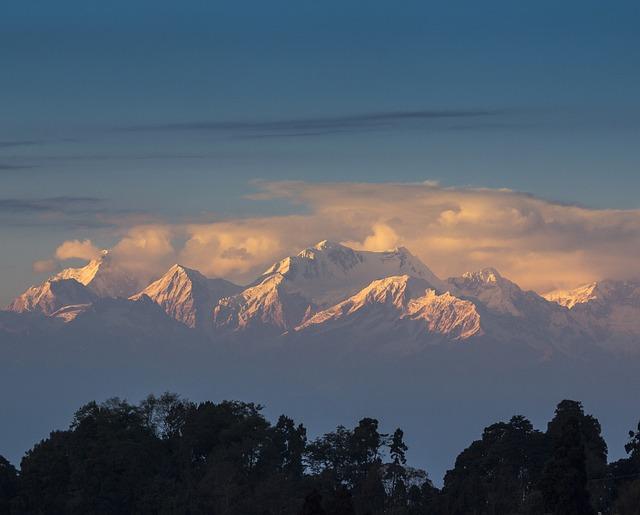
<point>330,289</point>
<point>318,277</point>
<point>494,291</point>
<point>510,314</point>
<point>609,308</point>
<point>271,307</point>
<point>598,293</point>
<point>400,303</point>
<point>52,295</point>
<point>103,276</point>
<point>188,296</point>
<point>329,272</point>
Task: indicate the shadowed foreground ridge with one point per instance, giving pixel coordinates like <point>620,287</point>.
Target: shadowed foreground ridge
<point>169,455</point>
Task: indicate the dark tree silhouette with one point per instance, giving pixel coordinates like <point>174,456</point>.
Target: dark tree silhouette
<point>498,473</point>
<point>625,477</point>
<point>595,448</point>
<point>312,504</point>
<point>564,483</point>
<point>628,503</point>
<point>342,503</point>
<point>395,473</point>
<point>169,455</point>
<point>8,484</point>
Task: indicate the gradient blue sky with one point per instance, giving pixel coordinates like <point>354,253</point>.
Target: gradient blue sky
<point>165,109</point>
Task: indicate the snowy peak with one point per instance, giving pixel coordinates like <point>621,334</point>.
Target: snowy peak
<point>394,292</point>
<point>599,292</point>
<point>329,244</point>
<point>87,273</point>
<point>318,277</point>
<point>52,295</point>
<point>178,278</point>
<point>497,293</point>
<point>569,298</point>
<point>329,272</point>
<point>186,295</point>
<point>269,305</point>
<point>400,303</point>
<point>487,275</point>
<point>609,309</point>
<point>511,314</point>
<point>323,259</point>
<point>447,315</point>
<point>103,276</point>
<point>183,271</point>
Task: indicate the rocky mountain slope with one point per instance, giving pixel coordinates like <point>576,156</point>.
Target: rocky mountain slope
<point>52,295</point>
<point>187,295</point>
<point>610,309</point>
<point>104,277</point>
<point>318,277</point>
<point>399,304</point>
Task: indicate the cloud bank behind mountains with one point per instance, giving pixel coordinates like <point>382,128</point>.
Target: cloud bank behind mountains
<point>538,243</point>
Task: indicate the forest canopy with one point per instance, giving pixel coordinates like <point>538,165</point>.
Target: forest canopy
<point>169,455</point>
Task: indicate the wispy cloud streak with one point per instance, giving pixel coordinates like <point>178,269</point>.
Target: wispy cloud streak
<point>20,143</point>
<point>323,125</point>
<point>5,167</point>
<point>50,204</point>
<point>71,212</point>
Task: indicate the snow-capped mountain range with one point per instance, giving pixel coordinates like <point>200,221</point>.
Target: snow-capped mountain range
<point>337,293</point>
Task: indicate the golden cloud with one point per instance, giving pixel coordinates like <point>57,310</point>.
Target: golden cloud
<point>76,249</point>
<point>537,243</point>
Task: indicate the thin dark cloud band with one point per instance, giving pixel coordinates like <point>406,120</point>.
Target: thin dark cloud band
<point>20,143</point>
<point>69,212</point>
<point>50,204</point>
<point>5,167</point>
<point>319,126</point>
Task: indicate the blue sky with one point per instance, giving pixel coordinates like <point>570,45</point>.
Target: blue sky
<point>150,109</point>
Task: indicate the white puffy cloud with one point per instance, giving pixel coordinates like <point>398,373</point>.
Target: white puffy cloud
<point>383,237</point>
<point>241,249</point>
<point>76,249</point>
<point>146,249</point>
